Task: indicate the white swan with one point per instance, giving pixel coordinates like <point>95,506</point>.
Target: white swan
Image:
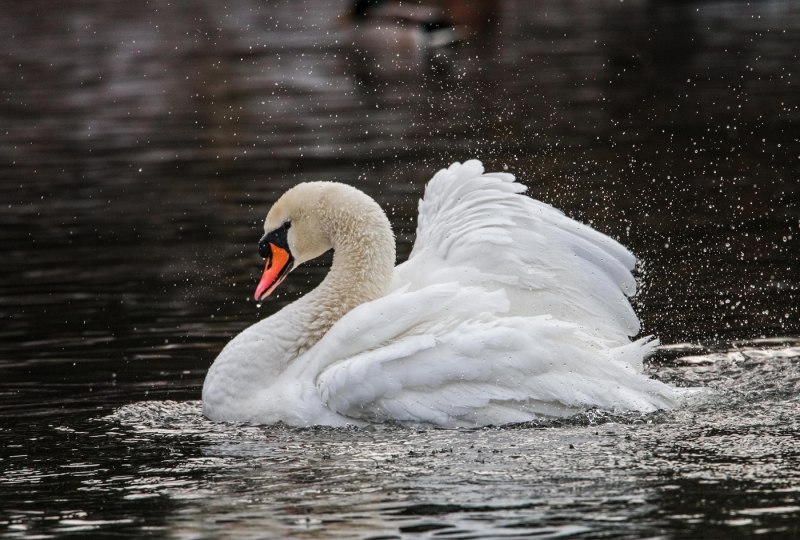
<point>505,311</point>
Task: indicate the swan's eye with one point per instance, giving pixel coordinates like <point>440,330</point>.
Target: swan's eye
<point>277,237</point>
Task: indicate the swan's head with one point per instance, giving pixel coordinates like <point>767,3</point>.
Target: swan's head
<point>312,218</point>
<point>293,234</point>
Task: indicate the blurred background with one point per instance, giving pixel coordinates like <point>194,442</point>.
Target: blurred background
<point>141,144</point>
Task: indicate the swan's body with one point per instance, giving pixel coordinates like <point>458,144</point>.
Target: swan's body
<point>506,310</point>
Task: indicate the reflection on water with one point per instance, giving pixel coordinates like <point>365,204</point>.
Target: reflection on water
<point>141,144</point>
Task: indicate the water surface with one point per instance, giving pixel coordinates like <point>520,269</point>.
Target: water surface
<point>141,145</point>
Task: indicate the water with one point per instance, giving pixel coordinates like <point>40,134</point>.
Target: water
<point>141,145</point>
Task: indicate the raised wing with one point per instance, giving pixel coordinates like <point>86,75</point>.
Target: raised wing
<point>477,229</point>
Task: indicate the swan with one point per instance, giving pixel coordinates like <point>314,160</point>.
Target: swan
<point>505,311</point>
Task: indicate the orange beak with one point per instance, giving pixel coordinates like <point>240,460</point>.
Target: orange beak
<point>279,263</point>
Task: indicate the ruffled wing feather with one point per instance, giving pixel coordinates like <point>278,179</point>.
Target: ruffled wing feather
<point>479,230</point>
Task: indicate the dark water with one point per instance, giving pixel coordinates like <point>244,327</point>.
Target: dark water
<point>142,143</point>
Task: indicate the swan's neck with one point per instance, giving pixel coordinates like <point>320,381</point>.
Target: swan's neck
<point>363,263</point>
